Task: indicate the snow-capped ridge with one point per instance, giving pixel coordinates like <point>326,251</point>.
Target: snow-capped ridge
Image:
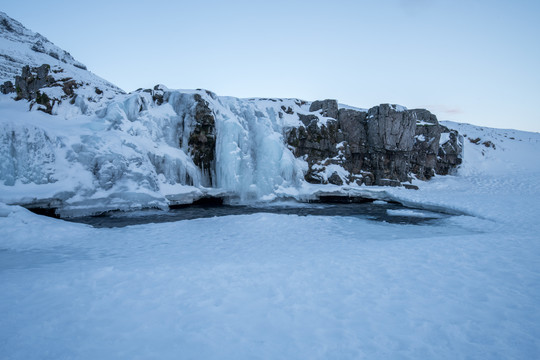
<point>23,47</point>
<point>14,31</point>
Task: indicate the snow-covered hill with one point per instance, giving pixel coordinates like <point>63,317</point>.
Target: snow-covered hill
<point>20,46</point>
<point>498,179</point>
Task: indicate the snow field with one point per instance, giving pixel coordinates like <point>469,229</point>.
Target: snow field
<point>267,286</point>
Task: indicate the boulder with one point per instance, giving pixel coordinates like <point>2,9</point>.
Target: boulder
<point>410,186</point>
<point>31,80</point>
<point>328,107</point>
<point>7,88</point>
<point>335,179</point>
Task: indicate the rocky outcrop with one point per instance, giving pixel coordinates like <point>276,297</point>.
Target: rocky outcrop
<point>386,145</point>
<point>32,84</point>
<point>328,108</point>
<point>202,141</point>
<point>426,145</point>
<point>449,152</point>
<point>31,80</point>
<point>7,87</point>
<point>390,141</point>
<point>317,142</point>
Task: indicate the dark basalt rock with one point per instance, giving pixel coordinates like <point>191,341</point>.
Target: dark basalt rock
<point>31,80</point>
<point>202,141</point>
<point>426,146</point>
<point>30,84</point>
<point>5,25</point>
<point>386,145</point>
<point>80,66</point>
<point>449,153</point>
<point>43,99</point>
<point>287,110</point>
<point>317,141</point>
<point>7,88</point>
<point>329,107</point>
<point>157,94</point>
<point>353,125</point>
<point>410,186</point>
<point>389,129</point>
<point>335,179</point>
<point>390,141</point>
<point>69,86</point>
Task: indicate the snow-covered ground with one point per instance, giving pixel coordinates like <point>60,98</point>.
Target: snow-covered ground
<point>282,286</point>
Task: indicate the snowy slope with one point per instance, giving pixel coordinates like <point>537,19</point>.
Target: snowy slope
<point>279,286</point>
<point>20,46</point>
<point>500,173</point>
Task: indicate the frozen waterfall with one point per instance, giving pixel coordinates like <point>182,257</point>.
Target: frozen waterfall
<point>136,151</point>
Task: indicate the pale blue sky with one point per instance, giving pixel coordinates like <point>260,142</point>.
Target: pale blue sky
<point>467,61</point>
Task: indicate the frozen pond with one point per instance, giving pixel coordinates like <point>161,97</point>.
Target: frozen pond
<point>377,211</point>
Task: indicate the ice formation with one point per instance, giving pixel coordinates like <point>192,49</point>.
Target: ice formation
<point>101,149</point>
<point>154,148</point>
<point>133,146</point>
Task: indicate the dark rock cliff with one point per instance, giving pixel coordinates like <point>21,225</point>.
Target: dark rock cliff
<point>202,141</point>
<point>386,145</point>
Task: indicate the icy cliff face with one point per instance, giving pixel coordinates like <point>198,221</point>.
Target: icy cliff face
<point>139,151</point>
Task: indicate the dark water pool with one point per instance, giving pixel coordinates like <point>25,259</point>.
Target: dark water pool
<point>376,211</point>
